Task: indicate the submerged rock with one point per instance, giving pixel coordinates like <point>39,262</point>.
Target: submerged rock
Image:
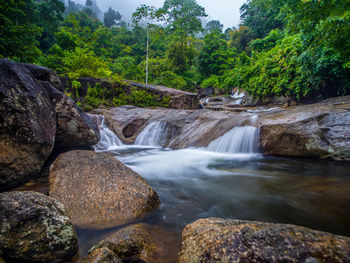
<point>140,243</point>
<point>75,129</point>
<point>220,240</point>
<point>35,228</point>
<point>101,255</point>
<point>27,124</point>
<point>319,130</point>
<point>98,190</point>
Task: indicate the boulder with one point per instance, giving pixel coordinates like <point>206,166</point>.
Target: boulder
<point>75,129</point>
<point>141,243</point>
<point>220,240</point>
<point>320,130</point>
<point>27,124</point>
<point>41,73</point>
<point>35,228</point>
<point>184,128</point>
<point>101,255</point>
<point>98,191</point>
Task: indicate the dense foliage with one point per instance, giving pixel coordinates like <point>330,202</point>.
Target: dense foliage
<point>299,49</point>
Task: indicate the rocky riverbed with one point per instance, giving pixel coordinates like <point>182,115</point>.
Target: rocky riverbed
<point>135,199</point>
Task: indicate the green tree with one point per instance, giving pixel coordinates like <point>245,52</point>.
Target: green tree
<point>262,16</point>
<point>213,26</point>
<point>241,38</point>
<point>215,56</point>
<point>148,14</point>
<point>49,15</point>
<point>111,17</point>
<point>18,31</point>
<point>183,16</point>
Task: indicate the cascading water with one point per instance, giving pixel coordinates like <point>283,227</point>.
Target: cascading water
<point>108,138</point>
<point>238,140</point>
<point>155,134</point>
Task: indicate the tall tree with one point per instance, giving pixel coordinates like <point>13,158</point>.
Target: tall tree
<point>111,17</point>
<point>183,16</point>
<point>213,26</point>
<point>148,14</point>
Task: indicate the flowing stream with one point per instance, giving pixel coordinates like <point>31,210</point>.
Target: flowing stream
<point>229,179</point>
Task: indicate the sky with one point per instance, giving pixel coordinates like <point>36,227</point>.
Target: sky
<point>226,11</point>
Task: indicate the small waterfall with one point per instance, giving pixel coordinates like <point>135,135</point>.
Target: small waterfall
<point>155,134</point>
<point>238,140</point>
<point>108,138</point>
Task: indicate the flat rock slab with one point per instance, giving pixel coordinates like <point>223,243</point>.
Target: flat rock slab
<point>98,191</point>
<point>220,240</point>
<point>35,228</point>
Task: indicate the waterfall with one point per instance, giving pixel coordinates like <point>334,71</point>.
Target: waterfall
<point>238,140</point>
<point>108,138</point>
<point>155,134</point>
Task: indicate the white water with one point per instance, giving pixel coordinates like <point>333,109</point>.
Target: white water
<point>108,139</point>
<point>238,95</point>
<point>238,140</point>
<point>155,134</point>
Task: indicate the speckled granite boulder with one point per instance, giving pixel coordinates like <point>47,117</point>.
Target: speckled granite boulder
<point>220,240</point>
<point>101,255</point>
<point>27,125</point>
<point>35,228</point>
<point>99,191</point>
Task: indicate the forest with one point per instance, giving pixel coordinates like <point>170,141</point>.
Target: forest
<point>298,49</point>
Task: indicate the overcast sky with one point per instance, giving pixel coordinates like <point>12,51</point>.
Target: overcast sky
<point>227,11</point>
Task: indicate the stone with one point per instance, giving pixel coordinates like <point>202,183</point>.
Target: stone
<point>98,191</point>
<point>75,129</point>
<point>185,128</point>
<point>141,243</point>
<point>220,240</point>
<point>101,255</point>
<point>35,228</point>
<point>27,124</point>
<point>320,130</point>
<point>41,73</point>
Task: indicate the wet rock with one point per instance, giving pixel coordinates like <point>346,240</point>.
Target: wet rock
<point>141,243</point>
<point>35,228</point>
<point>99,191</point>
<point>75,129</point>
<point>320,130</point>
<point>101,255</point>
<point>220,240</point>
<point>27,124</point>
<point>44,74</point>
<point>185,128</point>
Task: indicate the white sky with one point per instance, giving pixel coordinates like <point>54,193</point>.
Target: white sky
<point>227,11</point>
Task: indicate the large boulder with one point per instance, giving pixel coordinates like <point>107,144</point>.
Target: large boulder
<point>320,130</point>
<point>35,228</point>
<point>220,240</point>
<point>75,129</point>
<point>98,190</point>
<point>27,124</point>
